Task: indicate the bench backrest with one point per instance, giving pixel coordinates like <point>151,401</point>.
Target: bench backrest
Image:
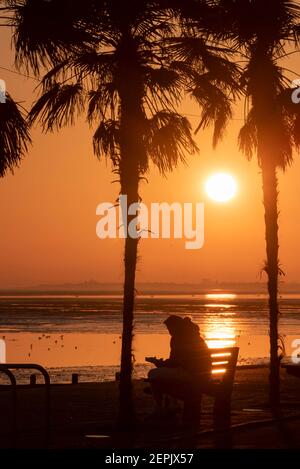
<point>224,362</point>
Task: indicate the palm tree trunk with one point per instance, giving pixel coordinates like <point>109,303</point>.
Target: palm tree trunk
<point>267,153</point>
<point>270,198</point>
<point>126,409</point>
<point>132,154</point>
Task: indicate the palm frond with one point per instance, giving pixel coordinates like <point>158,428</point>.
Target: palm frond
<point>91,62</point>
<point>169,139</point>
<point>102,102</point>
<point>278,132</point>
<point>14,136</point>
<point>58,106</point>
<point>248,137</point>
<point>163,78</point>
<point>106,140</point>
<point>196,50</point>
<point>45,30</point>
<point>216,106</point>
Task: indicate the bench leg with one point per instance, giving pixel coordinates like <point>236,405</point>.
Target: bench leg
<point>222,421</point>
<point>222,412</point>
<point>192,411</point>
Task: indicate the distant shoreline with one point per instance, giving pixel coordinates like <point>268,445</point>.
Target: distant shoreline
<point>93,287</point>
<point>140,292</point>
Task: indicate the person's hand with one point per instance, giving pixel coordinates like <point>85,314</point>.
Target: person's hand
<point>151,360</point>
<point>155,361</point>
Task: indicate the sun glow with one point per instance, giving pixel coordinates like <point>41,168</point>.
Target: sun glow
<point>220,335</point>
<point>221,187</point>
<point>220,296</point>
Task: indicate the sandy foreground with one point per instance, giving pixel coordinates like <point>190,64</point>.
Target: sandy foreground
<point>91,409</point>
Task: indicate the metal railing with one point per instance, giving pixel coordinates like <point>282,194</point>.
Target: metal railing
<point>6,369</point>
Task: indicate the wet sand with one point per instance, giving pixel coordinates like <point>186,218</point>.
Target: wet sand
<point>91,408</point>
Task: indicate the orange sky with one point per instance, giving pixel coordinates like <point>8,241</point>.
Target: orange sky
<point>48,218</point>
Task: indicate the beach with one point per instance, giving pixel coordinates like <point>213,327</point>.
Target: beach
<point>81,335</point>
<point>91,409</point>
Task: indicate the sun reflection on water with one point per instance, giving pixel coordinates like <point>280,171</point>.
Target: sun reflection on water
<point>220,296</point>
<point>219,305</point>
<point>220,334</point>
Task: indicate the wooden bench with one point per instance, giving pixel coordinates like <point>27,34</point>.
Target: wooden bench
<point>224,363</point>
<point>219,384</point>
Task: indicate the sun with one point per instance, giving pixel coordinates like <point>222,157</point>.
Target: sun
<point>221,187</point>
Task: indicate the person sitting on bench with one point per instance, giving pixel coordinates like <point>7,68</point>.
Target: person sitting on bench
<point>188,367</point>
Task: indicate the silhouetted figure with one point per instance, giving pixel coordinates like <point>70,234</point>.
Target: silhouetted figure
<point>187,369</point>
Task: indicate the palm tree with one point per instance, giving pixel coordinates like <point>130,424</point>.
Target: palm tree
<point>123,75</point>
<point>262,31</point>
<point>122,62</point>
<point>14,135</point>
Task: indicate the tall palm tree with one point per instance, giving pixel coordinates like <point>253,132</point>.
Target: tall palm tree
<point>121,72</point>
<point>121,61</point>
<point>262,32</point>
